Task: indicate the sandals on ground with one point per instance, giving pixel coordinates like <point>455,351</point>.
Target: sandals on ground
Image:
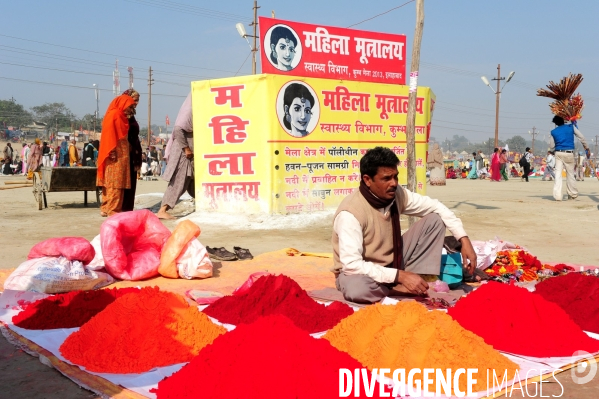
<point>243,253</point>
<point>221,254</point>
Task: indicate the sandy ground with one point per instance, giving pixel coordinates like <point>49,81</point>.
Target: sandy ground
<point>524,213</point>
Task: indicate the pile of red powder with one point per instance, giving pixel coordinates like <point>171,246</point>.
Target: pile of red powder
<point>68,310</point>
<point>270,358</point>
<point>280,294</point>
<point>577,294</point>
<point>141,331</point>
<point>514,320</point>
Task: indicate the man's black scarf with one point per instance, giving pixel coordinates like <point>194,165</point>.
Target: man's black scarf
<point>379,203</point>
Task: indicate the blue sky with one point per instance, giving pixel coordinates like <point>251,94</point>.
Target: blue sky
<point>540,40</point>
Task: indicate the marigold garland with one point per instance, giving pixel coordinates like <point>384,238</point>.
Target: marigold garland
<point>519,265</point>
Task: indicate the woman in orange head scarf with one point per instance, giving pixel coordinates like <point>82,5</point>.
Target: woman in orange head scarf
<point>113,157</point>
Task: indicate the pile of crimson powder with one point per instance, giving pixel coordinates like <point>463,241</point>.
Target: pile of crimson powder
<point>280,294</point>
<point>577,294</point>
<point>271,358</point>
<point>68,310</point>
<point>514,320</point>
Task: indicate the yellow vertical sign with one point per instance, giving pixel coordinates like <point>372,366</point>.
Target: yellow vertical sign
<point>287,144</point>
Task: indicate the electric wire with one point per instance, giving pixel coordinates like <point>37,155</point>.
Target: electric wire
<point>114,55</point>
<point>383,13</point>
<point>83,87</point>
<point>244,61</point>
<point>189,9</point>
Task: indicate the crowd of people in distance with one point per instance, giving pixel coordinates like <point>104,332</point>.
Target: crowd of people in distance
<point>118,157</point>
<point>562,160</point>
<point>499,167</point>
<point>37,154</point>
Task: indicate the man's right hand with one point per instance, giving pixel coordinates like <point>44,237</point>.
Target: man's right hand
<point>412,282</point>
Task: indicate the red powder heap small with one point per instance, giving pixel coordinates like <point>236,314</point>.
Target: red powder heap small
<point>270,358</point>
<point>514,320</point>
<point>278,295</point>
<point>140,331</point>
<point>577,294</point>
<point>68,310</point>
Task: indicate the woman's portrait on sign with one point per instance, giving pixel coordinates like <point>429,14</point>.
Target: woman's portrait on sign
<point>282,47</point>
<point>298,109</point>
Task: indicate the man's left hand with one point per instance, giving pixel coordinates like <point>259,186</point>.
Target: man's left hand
<point>468,255</point>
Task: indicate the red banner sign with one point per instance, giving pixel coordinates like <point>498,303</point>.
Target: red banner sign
<point>293,48</point>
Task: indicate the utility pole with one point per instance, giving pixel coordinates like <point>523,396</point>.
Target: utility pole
<point>411,116</point>
<point>255,25</point>
<point>97,114</point>
<point>593,172</point>
<point>150,80</point>
<point>533,134</point>
<point>497,93</point>
<point>497,96</point>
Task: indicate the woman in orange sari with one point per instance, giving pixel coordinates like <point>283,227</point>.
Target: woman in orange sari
<point>113,157</point>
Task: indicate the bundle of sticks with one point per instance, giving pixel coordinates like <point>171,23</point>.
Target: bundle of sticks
<point>567,104</point>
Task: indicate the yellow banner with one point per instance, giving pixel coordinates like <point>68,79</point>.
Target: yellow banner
<point>285,144</point>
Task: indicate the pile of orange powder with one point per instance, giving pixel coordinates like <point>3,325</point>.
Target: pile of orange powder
<point>408,336</point>
<point>141,331</point>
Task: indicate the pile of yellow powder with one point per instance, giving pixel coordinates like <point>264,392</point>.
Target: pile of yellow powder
<point>408,336</point>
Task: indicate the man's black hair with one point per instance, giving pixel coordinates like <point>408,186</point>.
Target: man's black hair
<point>375,158</point>
<point>558,120</point>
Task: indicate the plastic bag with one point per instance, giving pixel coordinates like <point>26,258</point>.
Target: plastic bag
<point>174,247</point>
<point>486,251</point>
<point>53,275</point>
<point>131,244</point>
<point>249,282</point>
<point>194,261</point>
<point>72,248</point>
<point>439,286</point>
<point>98,262</point>
<point>209,297</point>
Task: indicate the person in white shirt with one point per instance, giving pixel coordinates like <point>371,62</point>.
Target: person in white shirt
<point>372,259</point>
<point>549,167</point>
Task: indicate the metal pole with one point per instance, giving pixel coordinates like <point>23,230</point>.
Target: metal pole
<point>97,103</point>
<point>254,49</point>
<point>533,134</point>
<point>497,94</point>
<point>594,171</point>
<point>149,105</point>
<point>97,108</point>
